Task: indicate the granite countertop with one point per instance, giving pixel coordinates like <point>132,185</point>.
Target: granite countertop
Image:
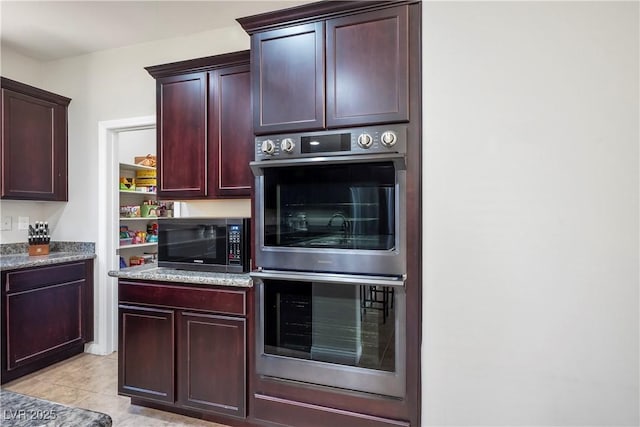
<point>19,410</point>
<point>14,256</point>
<point>164,274</point>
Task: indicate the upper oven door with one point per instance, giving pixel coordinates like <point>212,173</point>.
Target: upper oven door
<point>341,214</point>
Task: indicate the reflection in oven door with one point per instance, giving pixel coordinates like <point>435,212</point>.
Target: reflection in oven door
<point>337,217</point>
<point>347,335</point>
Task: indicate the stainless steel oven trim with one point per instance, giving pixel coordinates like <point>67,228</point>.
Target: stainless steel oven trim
<point>354,279</point>
<point>398,159</point>
<point>356,261</point>
<point>334,375</point>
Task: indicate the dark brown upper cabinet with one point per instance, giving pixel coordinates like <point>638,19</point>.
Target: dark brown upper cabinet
<point>230,132</point>
<point>368,68</point>
<point>349,66</point>
<point>33,158</point>
<point>204,129</point>
<point>182,135</point>
<point>288,79</point>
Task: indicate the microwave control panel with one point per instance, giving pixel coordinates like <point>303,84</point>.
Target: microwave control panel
<point>234,234</point>
<point>390,138</point>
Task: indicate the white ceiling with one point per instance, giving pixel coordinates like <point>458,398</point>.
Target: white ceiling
<point>50,30</point>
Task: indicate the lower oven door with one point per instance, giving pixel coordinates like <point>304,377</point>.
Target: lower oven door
<point>343,331</point>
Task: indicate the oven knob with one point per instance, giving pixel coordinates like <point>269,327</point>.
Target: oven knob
<point>365,140</point>
<point>287,145</point>
<point>389,138</point>
<point>268,147</point>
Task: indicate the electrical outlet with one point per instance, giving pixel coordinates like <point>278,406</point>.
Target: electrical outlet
<point>23,223</point>
<point>6,223</point>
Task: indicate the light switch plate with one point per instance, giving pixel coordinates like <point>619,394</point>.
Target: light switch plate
<point>23,223</point>
<point>6,223</point>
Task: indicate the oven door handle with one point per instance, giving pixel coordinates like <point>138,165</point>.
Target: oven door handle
<point>353,279</point>
<point>398,159</point>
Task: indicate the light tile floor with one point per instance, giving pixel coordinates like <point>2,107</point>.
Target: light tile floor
<point>91,382</point>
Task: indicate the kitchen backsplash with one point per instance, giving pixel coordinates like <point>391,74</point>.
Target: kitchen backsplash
<point>228,208</point>
<point>19,248</point>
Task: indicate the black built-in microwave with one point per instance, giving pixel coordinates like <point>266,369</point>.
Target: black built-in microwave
<point>205,244</point>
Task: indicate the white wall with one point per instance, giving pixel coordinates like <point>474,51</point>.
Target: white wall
<point>240,208</point>
<point>531,213</point>
<point>29,71</point>
<point>136,143</point>
<point>106,85</point>
<point>111,85</point>
<point>19,67</point>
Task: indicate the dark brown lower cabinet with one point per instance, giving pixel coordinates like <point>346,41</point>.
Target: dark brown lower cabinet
<point>183,347</point>
<point>145,356</point>
<point>49,316</point>
<point>211,363</point>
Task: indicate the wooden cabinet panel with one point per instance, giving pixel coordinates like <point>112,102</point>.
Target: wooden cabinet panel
<point>33,129</point>
<point>226,301</point>
<point>179,354</point>
<point>50,316</point>
<point>211,363</point>
<point>53,307</point>
<point>288,76</point>
<point>205,134</point>
<point>367,68</point>
<point>24,280</point>
<point>146,353</point>
<point>182,137</point>
<point>230,132</point>
<point>290,412</point>
<point>366,74</point>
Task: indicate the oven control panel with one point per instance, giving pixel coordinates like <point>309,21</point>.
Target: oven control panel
<point>365,140</point>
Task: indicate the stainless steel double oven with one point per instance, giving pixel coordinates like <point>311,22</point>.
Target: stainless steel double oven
<point>331,258</point>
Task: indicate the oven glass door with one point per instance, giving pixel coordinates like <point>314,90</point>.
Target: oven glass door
<point>347,335</point>
<point>336,206</point>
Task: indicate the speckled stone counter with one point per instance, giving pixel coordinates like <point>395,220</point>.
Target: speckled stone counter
<point>19,410</point>
<point>14,256</point>
<point>154,273</point>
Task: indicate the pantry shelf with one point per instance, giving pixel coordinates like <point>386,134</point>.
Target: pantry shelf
<point>137,245</point>
<point>138,218</point>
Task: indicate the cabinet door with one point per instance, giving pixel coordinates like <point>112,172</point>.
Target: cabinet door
<point>212,363</point>
<point>368,68</point>
<point>230,132</point>
<point>34,148</point>
<point>182,136</point>
<point>288,82</point>
<point>146,353</point>
<point>44,320</point>
<point>51,305</point>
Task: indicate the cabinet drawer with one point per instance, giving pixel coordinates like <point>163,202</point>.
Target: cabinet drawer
<point>289,412</point>
<point>177,296</point>
<point>23,280</point>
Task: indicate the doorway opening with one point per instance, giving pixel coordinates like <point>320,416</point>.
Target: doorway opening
<point>106,289</point>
